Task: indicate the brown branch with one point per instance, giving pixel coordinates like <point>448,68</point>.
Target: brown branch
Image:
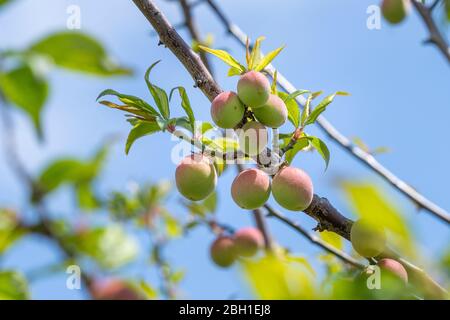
<point>314,239</point>
<point>193,30</point>
<point>321,210</point>
<point>360,154</point>
<point>435,36</point>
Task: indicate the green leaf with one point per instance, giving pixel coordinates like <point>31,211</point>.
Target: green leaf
<point>87,200</point>
<point>268,58</point>
<point>78,52</point>
<point>447,9</point>
<point>322,148</point>
<point>185,103</point>
<point>321,107</point>
<point>210,202</point>
<point>110,246</point>
<point>256,56</point>
<point>332,238</point>
<point>293,110</point>
<point>301,144</point>
<point>306,111</point>
<point>141,129</point>
<point>226,57</point>
<point>158,94</point>
<point>13,286</point>
<point>25,89</point>
<point>130,101</point>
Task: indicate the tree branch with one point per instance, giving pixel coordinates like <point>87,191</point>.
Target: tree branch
<point>435,36</point>
<point>321,210</point>
<point>363,156</point>
<point>193,30</point>
<point>314,239</point>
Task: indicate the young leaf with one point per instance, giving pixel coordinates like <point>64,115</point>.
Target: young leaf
<point>273,88</point>
<point>78,52</point>
<point>132,110</point>
<point>306,111</point>
<point>321,107</point>
<point>268,59</point>
<point>293,111</point>
<point>129,100</point>
<point>322,148</point>
<point>185,103</point>
<point>255,57</point>
<point>234,72</point>
<point>25,89</point>
<point>295,94</point>
<point>225,57</point>
<point>141,129</point>
<point>158,94</point>
<point>301,144</point>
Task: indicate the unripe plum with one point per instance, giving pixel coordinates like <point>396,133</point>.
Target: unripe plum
<point>394,267</point>
<point>367,239</point>
<point>394,11</point>
<point>196,177</point>
<point>223,251</point>
<point>273,113</point>
<point>248,241</point>
<point>227,110</point>
<point>114,289</point>
<point>292,188</point>
<point>251,189</point>
<point>253,138</point>
<point>253,89</point>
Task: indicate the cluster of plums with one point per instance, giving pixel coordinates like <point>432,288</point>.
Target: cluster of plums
<point>246,242</point>
<point>395,11</point>
<point>292,188</point>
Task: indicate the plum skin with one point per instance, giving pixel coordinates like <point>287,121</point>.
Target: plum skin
<point>394,267</point>
<point>253,89</point>
<point>227,110</point>
<point>292,188</point>
<point>273,113</point>
<point>196,177</point>
<point>223,252</point>
<point>248,241</point>
<point>395,11</point>
<point>367,239</point>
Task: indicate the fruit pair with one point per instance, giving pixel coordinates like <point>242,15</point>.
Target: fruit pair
<point>244,243</point>
<point>228,108</point>
<point>291,187</point>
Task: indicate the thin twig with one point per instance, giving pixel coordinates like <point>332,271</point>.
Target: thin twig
<point>314,239</point>
<point>435,36</point>
<point>360,154</point>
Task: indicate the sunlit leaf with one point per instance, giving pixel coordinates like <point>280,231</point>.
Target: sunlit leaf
<point>371,204</point>
<point>267,59</point>
<point>158,94</point>
<point>321,148</point>
<point>293,110</point>
<point>321,107</point>
<point>226,57</point>
<point>141,129</point>
<point>9,231</point>
<point>301,144</point>
<point>130,101</point>
<point>186,105</point>
<point>255,56</point>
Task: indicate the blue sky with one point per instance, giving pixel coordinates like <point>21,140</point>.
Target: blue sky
<point>399,99</point>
